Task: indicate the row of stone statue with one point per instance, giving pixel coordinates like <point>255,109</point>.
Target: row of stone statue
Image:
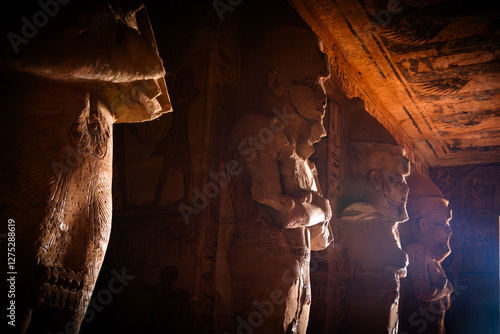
<point>56,178</point>
<point>281,214</point>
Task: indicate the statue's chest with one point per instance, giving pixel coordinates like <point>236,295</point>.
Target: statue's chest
<point>297,175</point>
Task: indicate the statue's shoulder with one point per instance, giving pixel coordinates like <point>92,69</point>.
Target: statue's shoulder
<point>259,127</point>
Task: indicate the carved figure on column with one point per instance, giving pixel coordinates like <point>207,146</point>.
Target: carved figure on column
<point>374,197</point>
<point>426,239</point>
<point>61,94</point>
<point>280,213</point>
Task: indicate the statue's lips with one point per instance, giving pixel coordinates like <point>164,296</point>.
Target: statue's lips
<point>315,138</point>
<point>399,271</point>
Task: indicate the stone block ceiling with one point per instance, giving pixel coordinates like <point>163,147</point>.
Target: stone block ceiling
<point>427,69</point>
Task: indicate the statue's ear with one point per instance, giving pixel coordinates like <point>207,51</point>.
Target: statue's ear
<point>375,179</point>
<point>273,84</point>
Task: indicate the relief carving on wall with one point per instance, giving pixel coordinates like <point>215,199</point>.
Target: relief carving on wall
<point>473,264</point>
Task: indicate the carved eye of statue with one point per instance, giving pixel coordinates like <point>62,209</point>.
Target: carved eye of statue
<point>313,85</point>
<point>442,223</point>
<point>396,179</point>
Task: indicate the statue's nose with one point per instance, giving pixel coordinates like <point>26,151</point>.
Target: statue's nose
<point>448,230</point>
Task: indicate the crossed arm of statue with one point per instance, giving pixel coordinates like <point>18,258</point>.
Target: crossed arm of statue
<point>305,208</point>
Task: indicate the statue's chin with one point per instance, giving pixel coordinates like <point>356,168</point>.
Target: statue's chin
<point>395,213</point>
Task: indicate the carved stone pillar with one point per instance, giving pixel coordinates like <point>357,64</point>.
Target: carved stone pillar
<point>373,197</point>
<point>61,94</point>
<point>426,290</point>
<point>280,213</point>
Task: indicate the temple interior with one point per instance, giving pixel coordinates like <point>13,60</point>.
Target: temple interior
<point>230,166</point>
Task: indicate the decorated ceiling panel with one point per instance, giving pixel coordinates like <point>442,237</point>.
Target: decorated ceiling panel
<point>428,70</point>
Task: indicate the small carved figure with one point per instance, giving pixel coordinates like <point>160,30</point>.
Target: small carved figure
<point>172,307</point>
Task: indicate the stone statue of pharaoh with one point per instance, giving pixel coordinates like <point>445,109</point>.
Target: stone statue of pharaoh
<point>61,94</point>
<point>280,213</point>
<point>374,196</point>
<point>426,239</point>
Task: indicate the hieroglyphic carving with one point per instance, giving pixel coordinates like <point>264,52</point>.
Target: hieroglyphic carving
<point>474,243</point>
<point>334,151</point>
<point>481,190</point>
<point>323,274</point>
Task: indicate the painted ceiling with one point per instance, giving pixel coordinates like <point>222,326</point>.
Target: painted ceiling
<point>428,70</point>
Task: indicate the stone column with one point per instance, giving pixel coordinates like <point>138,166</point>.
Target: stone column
<point>374,193</point>
<point>62,92</point>
<point>426,238</point>
<point>280,214</point>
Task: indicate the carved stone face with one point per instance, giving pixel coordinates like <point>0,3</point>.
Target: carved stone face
<point>297,68</point>
<point>394,184</point>
<point>435,230</point>
<point>388,181</point>
<point>306,93</point>
<point>308,97</point>
<point>429,217</point>
<point>309,100</point>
